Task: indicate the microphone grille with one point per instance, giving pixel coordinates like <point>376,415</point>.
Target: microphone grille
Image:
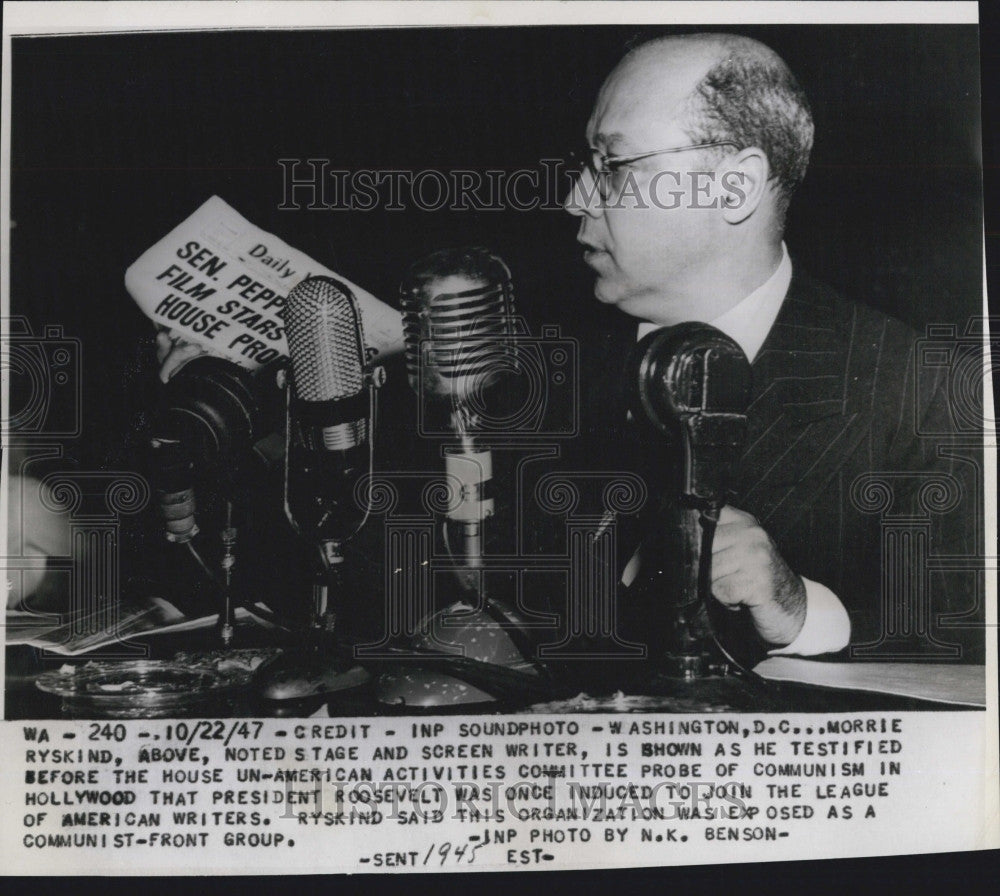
<point>462,329</point>
<point>325,341</point>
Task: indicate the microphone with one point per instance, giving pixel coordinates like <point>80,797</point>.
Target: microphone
<point>330,405</point>
<point>458,324</point>
<point>458,310</point>
<point>210,413</point>
<point>326,347</point>
<point>691,384</point>
<point>173,483</point>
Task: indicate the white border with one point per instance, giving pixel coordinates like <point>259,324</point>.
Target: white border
<point>41,18</point>
<point>36,18</point>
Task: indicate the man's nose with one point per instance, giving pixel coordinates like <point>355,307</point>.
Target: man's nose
<point>583,197</point>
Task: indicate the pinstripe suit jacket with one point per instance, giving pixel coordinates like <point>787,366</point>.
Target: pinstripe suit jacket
<point>851,466</point>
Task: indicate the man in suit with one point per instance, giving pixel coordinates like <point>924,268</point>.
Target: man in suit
<point>695,146</point>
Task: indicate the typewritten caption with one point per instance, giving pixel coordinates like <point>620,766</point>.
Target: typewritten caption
<point>473,793</point>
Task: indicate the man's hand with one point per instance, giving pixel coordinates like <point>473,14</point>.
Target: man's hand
<point>748,571</point>
<point>173,352</point>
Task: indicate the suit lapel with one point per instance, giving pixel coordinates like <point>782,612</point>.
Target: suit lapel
<point>803,422</point>
<point>800,418</point>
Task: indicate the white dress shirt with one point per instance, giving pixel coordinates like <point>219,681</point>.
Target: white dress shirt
<point>827,627</point>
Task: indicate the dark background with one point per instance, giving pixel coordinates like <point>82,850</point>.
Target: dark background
<point>116,139</point>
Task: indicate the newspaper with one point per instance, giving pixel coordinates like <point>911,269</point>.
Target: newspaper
<point>219,282</point>
<point>82,633</point>
<point>453,742</point>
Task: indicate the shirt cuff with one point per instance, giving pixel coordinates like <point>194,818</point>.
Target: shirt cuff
<point>827,628</point>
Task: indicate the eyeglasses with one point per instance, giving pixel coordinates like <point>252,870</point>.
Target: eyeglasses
<point>602,167</point>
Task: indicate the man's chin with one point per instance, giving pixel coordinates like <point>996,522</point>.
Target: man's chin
<point>605,292</point>
<point>628,302</point>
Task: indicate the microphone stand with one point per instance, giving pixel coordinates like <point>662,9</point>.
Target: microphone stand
<point>678,558</point>
<point>228,536</point>
<point>233,483</point>
<point>318,667</point>
<point>472,469</point>
<point>178,509</point>
<point>328,581</point>
<point>691,383</point>
<point>328,584</point>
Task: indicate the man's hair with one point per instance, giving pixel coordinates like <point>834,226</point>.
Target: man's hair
<point>751,98</point>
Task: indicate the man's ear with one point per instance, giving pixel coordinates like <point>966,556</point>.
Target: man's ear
<point>743,183</point>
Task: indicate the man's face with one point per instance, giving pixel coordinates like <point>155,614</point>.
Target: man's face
<point>648,242</point>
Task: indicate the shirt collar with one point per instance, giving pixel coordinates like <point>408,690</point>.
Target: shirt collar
<point>750,320</point>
